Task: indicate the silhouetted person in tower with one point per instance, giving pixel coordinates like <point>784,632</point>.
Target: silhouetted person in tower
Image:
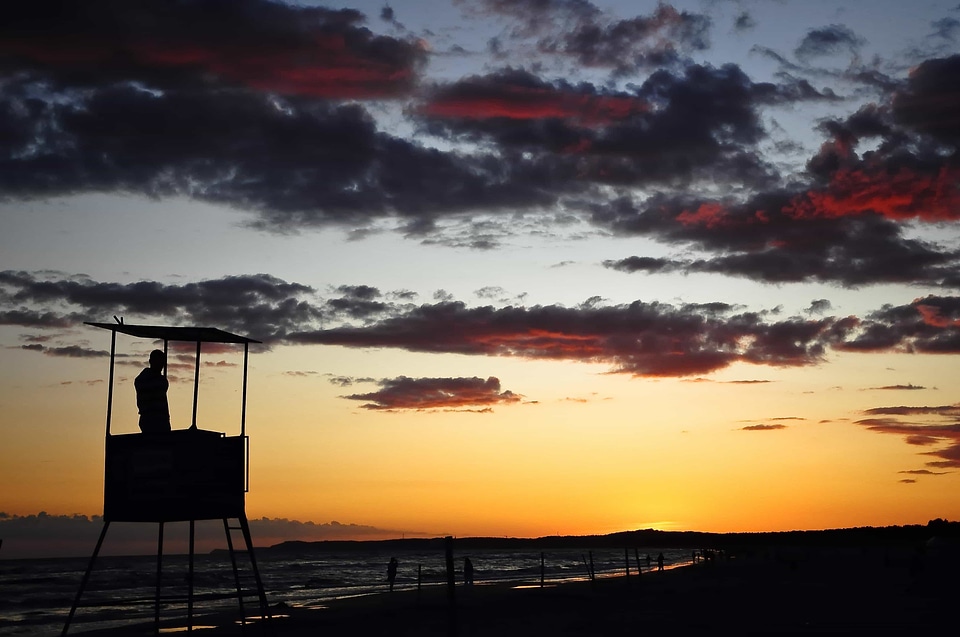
<point>392,572</point>
<point>151,387</point>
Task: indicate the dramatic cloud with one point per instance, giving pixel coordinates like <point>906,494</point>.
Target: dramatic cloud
<point>297,164</point>
<point>928,426</point>
<point>577,29</point>
<point>779,237</point>
<point>436,393</point>
<point>643,339</point>
<point>849,224</point>
<point>261,45</point>
<point>929,325</point>
<point>699,124</point>
<point>519,95</point>
<point>259,306</point>
<point>241,104</point>
<point>930,103</point>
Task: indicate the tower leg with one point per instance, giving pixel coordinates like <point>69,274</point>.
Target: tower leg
<point>245,527</point>
<point>236,572</point>
<point>86,576</point>
<point>156,598</point>
<point>190,577</point>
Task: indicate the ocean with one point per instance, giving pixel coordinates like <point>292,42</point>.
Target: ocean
<point>36,594</point>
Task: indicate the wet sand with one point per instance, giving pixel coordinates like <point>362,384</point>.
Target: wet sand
<point>784,593</point>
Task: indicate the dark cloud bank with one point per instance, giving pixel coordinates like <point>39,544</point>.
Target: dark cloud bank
<point>46,535</point>
<point>640,338</point>
<point>262,106</point>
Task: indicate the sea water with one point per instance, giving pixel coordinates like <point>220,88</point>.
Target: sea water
<point>36,594</point>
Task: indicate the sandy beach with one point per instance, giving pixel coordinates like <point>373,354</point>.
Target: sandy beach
<point>783,593</point>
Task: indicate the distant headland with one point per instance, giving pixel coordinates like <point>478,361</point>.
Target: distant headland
<point>868,536</point>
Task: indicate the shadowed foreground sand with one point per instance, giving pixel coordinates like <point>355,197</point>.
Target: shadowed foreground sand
<point>850,593</point>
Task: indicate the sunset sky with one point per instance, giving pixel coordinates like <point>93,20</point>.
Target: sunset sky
<point>520,267</point>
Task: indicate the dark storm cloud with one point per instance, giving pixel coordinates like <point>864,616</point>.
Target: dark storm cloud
<point>232,103</point>
<point>699,123</point>
<point>515,94</point>
<point>436,393</point>
<point>642,339</point>
<point>847,225</point>
<point>633,43</point>
<point>229,102</point>
<point>299,164</point>
<point>581,31</point>
<point>928,325</point>
<point>931,102</point>
<point>356,301</point>
<point>828,41</point>
<point>783,237</point>
<point>265,46</point>
<point>261,306</point>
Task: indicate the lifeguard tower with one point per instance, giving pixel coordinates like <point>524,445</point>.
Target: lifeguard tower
<point>182,475</point>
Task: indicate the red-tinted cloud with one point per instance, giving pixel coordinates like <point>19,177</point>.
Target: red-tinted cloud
<point>897,194</point>
<point>436,393</point>
<point>330,66</point>
<point>486,98</point>
<point>642,339</point>
<point>707,214</point>
<point>926,325</point>
<point>262,45</point>
<point>934,315</point>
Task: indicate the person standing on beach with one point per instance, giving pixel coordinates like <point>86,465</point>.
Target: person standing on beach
<point>392,572</point>
<point>660,562</point>
<point>151,385</point>
<point>467,571</point>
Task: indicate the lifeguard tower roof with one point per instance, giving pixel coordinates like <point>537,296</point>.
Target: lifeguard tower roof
<point>166,333</point>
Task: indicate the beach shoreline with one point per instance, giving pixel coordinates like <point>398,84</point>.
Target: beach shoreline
<point>867,591</point>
